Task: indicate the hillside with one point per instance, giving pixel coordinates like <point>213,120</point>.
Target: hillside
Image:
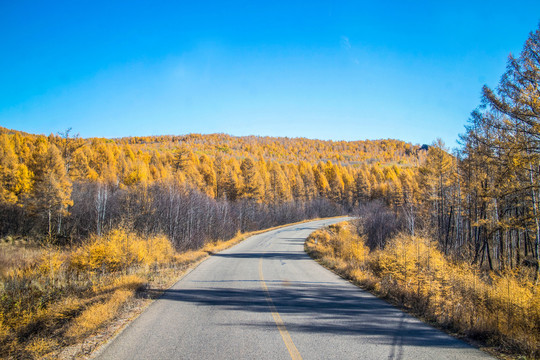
<point>53,179</point>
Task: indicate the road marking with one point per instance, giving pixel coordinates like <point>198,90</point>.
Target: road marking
<point>293,351</point>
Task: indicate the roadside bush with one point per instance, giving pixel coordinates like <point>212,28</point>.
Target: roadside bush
<point>500,309</point>
<point>120,250</point>
<point>57,297</point>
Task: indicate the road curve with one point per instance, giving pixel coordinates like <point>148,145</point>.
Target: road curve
<point>266,299</point>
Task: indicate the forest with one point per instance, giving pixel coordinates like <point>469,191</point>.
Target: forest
<point>479,204</point>
<point>194,188</point>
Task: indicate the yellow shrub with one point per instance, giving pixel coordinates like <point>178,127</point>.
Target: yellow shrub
<point>412,271</point>
<point>108,253</point>
<point>120,249</point>
<point>51,263</point>
<point>354,248</point>
<point>160,251</point>
<point>412,262</point>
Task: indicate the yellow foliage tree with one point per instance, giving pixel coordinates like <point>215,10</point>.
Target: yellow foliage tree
<point>51,193</point>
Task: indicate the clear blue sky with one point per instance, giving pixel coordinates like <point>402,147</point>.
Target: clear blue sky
<point>410,70</point>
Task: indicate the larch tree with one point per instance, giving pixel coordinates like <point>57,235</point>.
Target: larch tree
<point>279,185</point>
<point>253,188</point>
<point>51,193</point>
<point>517,103</point>
<point>15,178</point>
<point>220,167</point>
<point>206,168</point>
<point>435,176</point>
<point>321,182</point>
<point>363,186</point>
<point>182,157</point>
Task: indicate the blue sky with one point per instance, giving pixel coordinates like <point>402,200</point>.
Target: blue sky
<point>341,70</point>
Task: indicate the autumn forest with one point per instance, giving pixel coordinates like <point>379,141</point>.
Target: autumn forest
<point>479,204</point>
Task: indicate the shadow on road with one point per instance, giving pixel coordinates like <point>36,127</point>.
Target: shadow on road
<point>328,309</point>
<point>265,255</point>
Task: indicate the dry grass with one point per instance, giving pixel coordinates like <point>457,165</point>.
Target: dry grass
<point>98,314</point>
<point>501,311</point>
<point>17,254</point>
<point>55,297</point>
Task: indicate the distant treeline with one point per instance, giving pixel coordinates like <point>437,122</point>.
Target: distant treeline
<point>194,188</point>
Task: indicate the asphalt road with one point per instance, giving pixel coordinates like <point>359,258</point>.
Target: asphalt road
<point>266,299</point>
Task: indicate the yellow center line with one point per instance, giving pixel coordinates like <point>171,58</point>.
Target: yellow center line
<point>293,351</point>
